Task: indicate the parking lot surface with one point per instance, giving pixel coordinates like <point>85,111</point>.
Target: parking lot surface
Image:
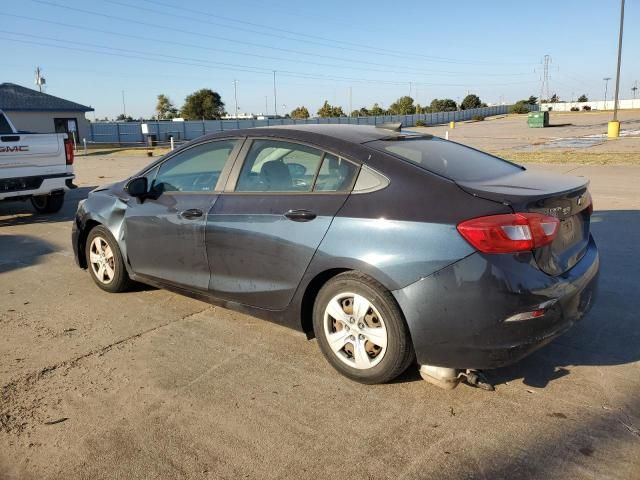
<point>150,384</point>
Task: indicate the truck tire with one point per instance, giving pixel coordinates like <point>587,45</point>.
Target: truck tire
<point>48,203</point>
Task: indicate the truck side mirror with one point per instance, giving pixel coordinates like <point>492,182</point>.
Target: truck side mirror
<point>137,187</point>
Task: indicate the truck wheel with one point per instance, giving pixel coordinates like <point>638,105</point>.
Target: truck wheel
<point>105,261</point>
<point>48,203</point>
<point>361,330</point>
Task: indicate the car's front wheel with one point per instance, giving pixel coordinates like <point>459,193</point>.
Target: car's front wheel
<point>105,261</point>
<point>361,330</point>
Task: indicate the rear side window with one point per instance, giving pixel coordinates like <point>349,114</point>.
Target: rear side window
<point>280,166</point>
<point>336,174</point>
<point>451,160</point>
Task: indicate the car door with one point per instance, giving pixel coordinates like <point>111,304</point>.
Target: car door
<point>165,233</point>
<point>264,229</point>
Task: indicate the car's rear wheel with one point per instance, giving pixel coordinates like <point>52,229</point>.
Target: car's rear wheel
<point>105,261</point>
<point>48,203</point>
<point>361,330</point>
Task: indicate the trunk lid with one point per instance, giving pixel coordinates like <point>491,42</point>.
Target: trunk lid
<point>560,196</point>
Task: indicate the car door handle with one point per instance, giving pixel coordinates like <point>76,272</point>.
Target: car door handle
<point>191,214</point>
<point>300,215</point>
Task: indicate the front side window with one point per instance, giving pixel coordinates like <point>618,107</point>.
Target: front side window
<point>196,169</point>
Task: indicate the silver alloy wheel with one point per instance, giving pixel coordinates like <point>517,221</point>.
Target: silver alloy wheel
<point>355,330</point>
<point>102,260</point>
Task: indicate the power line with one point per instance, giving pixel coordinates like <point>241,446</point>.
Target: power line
<point>235,52</point>
<point>189,32</point>
<point>271,28</point>
<point>163,58</point>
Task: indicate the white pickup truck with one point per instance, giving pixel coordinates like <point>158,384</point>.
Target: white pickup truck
<point>35,166</point>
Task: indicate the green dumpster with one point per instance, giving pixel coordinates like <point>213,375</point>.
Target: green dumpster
<point>538,119</point>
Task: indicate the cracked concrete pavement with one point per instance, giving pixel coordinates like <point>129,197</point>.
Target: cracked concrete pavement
<point>149,384</point>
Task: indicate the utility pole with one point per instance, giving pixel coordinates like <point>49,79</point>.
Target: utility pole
<point>275,96</point>
<point>39,79</point>
<point>615,103</point>
<point>266,105</point>
<point>124,105</point>
<point>235,95</point>
<point>350,103</point>
<point>547,60</point>
<point>606,88</point>
<point>634,89</point>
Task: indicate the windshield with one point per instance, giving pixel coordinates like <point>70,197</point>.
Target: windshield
<point>449,159</point>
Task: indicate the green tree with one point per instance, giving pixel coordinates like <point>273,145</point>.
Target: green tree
<point>532,100</point>
<point>521,106</point>
<point>376,110</point>
<point>402,106</point>
<point>300,112</point>
<point>443,105</point>
<point>583,98</point>
<point>470,101</point>
<point>205,104</point>
<point>363,112</point>
<point>328,110</point>
<point>554,98</point>
<point>124,118</point>
<point>164,108</point>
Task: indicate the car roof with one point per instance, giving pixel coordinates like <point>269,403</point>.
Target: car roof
<point>349,133</point>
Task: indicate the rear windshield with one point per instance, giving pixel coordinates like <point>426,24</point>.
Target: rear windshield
<point>449,159</point>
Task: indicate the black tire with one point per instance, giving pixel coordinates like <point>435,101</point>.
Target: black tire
<point>48,203</point>
<point>119,281</point>
<point>399,352</point>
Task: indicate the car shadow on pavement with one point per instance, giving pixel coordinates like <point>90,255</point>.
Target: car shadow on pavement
<point>23,213</point>
<point>31,249</point>
<point>609,334</point>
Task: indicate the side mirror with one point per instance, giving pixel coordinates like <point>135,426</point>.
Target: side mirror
<point>137,187</point>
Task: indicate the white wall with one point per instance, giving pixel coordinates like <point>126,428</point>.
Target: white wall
<point>597,105</point>
<point>42,122</point>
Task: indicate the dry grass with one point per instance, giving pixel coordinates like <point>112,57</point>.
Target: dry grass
<point>573,156</point>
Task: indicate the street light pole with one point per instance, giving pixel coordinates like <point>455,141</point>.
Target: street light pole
<point>235,95</point>
<point>606,87</point>
<point>275,97</point>
<point>615,104</point>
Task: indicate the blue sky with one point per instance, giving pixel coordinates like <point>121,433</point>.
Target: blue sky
<point>378,50</point>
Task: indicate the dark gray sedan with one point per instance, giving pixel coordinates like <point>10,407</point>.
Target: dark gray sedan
<point>387,246</point>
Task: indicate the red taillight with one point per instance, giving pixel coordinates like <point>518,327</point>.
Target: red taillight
<point>509,233</point>
<point>68,151</point>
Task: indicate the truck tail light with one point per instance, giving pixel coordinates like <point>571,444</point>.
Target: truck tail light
<point>509,233</point>
<point>68,151</point>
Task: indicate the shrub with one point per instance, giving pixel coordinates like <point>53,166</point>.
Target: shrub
<point>520,107</point>
<point>575,109</point>
<point>420,123</point>
<point>477,118</point>
<point>586,108</point>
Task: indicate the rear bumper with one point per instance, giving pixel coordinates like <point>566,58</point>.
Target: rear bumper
<point>457,316</point>
<point>23,187</point>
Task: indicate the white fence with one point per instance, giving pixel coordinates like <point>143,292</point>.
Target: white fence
<point>131,132</point>
<point>596,105</point>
